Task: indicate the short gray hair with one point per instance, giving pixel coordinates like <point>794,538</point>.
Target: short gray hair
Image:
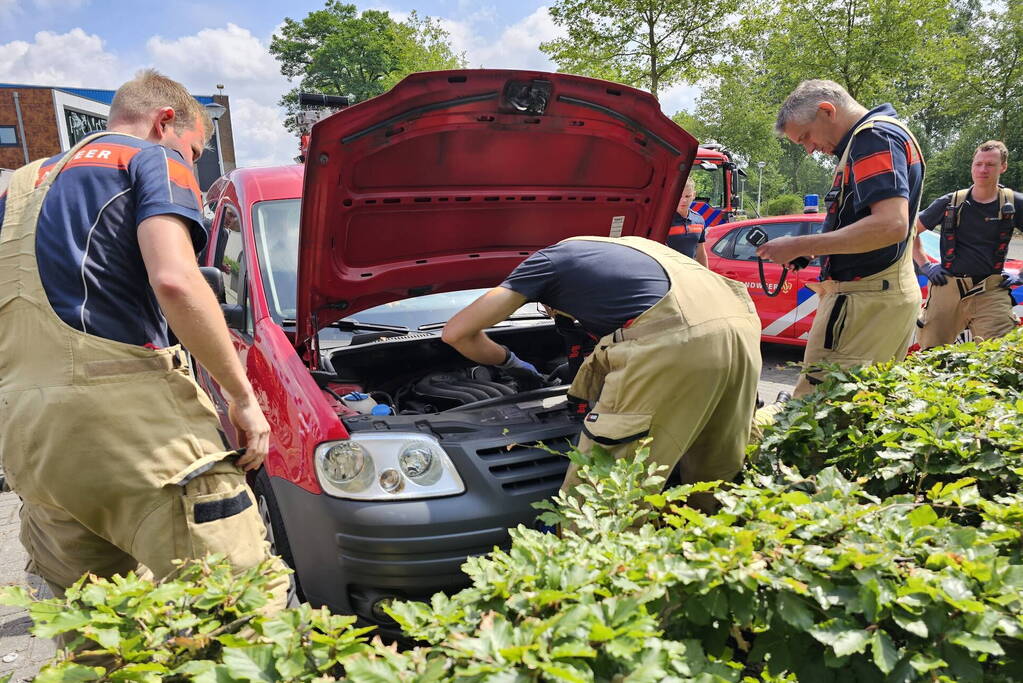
<point>801,105</point>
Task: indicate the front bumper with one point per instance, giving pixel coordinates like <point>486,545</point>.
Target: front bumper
<point>350,554</point>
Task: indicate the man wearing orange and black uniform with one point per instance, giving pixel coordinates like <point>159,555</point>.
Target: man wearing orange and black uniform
<point>869,296</point>
<point>969,290</point>
<point>688,232</point>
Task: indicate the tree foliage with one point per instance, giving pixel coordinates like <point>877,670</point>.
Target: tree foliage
<point>339,51</point>
<point>651,44</point>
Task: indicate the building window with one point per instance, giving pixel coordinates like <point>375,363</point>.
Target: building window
<point>8,136</point>
<point>79,125</point>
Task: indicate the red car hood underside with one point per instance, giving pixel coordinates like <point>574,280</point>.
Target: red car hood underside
<point>452,178</point>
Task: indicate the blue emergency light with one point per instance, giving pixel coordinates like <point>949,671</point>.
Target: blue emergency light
<point>811,203</point>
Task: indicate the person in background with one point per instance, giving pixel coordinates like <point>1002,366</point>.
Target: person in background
<point>969,288</point>
<point>688,232</point>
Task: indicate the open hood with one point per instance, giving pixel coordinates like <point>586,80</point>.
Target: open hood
<point>452,178</point>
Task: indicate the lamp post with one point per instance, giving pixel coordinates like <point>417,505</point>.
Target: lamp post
<point>216,110</point>
<point>760,182</point>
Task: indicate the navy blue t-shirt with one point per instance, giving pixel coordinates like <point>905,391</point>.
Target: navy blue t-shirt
<point>882,163</point>
<point>685,233</point>
<point>977,243</point>
<point>603,285</point>
<point>86,239</point>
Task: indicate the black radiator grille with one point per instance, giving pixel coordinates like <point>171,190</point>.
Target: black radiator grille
<point>526,467</point>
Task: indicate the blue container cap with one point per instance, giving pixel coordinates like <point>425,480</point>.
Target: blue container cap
<point>380,409</point>
<point>355,396</point>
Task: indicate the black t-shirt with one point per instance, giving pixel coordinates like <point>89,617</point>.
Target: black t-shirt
<point>976,242</point>
<point>601,284</point>
<point>883,163</point>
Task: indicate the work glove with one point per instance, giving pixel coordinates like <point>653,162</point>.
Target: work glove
<point>1009,280</point>
<point>524,373</point>
<point>935,273</point>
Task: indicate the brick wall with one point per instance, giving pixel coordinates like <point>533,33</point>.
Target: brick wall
<point>226,135</point>
<point>40,125</point>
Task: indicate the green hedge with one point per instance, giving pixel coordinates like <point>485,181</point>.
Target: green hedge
<point>876,537</point>
<point>784,205</point>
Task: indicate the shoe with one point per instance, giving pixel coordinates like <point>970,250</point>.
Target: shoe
<point>760,402</point>
<point>783,397</point>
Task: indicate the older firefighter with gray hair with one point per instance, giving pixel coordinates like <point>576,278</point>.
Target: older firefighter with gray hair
<point>869,296</point>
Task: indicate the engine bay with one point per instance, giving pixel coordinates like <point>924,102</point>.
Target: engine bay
<point>418,374</point>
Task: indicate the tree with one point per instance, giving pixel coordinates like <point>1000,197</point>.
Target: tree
<point>650,44</point>
<point>338,51</point>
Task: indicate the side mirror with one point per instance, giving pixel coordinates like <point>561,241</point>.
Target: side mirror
<point>215,279</point>
<point>234,315</point>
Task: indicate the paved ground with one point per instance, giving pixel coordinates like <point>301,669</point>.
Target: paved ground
<point>27,653</point>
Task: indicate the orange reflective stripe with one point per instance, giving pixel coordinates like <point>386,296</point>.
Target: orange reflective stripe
<point>678,230</point>
<point>912,154</point>
<point>182,176</point>
<point>872,165</point>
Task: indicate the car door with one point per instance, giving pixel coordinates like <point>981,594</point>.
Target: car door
<point>738,261</point>
<point>229,257</point>
<point>806,298</point>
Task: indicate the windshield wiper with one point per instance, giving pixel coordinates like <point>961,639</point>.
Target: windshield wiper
<point>528,316</point>
<point>348,325</point>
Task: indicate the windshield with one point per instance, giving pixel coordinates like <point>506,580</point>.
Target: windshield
<point>710,184</point>
<point>276,229</point>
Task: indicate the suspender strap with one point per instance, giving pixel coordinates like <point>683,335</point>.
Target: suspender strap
<point>843,171</point>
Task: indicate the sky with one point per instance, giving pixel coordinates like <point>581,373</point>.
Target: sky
<point>102,43</point>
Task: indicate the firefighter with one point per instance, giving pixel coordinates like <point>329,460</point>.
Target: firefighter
<point>669,331</point>
<point>869,296</point>
<point>968,286</point>
<point>115,451</point>
<point>688,232</point>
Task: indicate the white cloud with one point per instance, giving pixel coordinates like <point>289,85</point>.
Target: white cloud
<point>259,135</point>
<point>234,57</point>
<point>518,46</point>
<point>679,97</point>
<point>231,55</point>
<point>74,58</point>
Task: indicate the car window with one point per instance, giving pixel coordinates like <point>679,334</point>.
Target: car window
<point>723,247</point>
<point>232,255</point>
<point>275,225</point>
<point>744,251</point>
<point>231,262</point>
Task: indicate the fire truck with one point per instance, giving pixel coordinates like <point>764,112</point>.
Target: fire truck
<point>718,185</point>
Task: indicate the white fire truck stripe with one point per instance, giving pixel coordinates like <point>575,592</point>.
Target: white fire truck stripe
<point>792,317</point>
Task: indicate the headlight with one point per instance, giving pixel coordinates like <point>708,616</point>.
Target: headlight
<point>344,462</point>
<point>389,466</point>
<point>415,461</point>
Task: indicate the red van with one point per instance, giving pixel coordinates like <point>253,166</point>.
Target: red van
<point>392,457</point>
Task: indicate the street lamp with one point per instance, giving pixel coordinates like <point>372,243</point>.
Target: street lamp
<point>760,182</point>
<point>216,110</point>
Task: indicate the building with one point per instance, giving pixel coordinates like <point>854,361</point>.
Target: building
<point>42,121</point>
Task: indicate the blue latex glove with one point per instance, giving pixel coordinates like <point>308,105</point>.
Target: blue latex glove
<point>1009,280</point>
<point>523,372</point>
<point>935,273</point>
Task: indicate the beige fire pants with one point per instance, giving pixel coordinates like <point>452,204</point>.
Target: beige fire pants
<point>685,373</point>
<point>964,303</point>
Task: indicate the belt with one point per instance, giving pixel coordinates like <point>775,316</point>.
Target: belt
<point>988,283</point>
<point>641,329</point>
<point>842,286</point>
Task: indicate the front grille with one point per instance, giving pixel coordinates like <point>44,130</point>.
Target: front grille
<point>526,467</point>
